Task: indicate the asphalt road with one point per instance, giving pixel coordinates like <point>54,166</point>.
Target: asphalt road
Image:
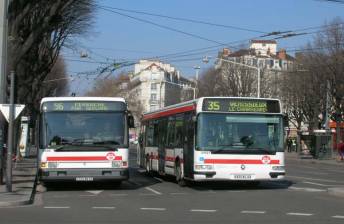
<point>302,198</point>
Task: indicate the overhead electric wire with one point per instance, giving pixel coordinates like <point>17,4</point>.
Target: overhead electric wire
<point>162,26</point>
<point>185,19</point>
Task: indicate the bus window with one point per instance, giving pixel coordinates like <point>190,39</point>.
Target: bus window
<point>179,133</point>
<point>171,132</point>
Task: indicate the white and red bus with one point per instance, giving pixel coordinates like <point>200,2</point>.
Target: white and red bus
<point>83,139</point>
<point>215,138</point>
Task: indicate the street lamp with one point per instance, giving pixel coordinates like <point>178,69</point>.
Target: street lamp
<point>197,68</point>
<point>249,66</point>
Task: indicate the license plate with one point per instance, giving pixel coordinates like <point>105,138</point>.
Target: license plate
<point>84,178</point>
<point>242,176</point>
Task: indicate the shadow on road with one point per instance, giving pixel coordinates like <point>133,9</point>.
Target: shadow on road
<point>136,181</point>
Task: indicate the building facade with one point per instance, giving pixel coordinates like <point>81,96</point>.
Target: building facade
<point>156,84</point>
<point>261,54</point>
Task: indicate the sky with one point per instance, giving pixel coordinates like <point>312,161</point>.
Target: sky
<point>120,35</point>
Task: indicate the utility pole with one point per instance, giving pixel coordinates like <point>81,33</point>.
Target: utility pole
<point>10,133</point>
<point>197,68</point>
<point>3,57</point>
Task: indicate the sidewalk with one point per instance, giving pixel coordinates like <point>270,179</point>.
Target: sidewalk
<point>304,159</point>
<point>23,184</point>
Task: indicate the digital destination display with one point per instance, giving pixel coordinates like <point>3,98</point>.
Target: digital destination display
<point>241,105</point>
<point>83,106</point>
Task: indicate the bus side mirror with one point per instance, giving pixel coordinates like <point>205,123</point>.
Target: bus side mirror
<point>131,122</point>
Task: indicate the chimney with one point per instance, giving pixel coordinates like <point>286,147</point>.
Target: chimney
<point>282,54</point>
<point>225,52</point>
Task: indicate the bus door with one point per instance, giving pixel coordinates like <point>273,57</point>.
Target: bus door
<point>161,144</point>
<point>188,152</point>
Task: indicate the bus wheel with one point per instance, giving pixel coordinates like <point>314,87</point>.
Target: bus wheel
<point>180,180</point>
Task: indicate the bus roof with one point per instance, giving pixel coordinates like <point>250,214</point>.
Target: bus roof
<point>78,99</point>
<point>59,99</point>
<point>196,105</point>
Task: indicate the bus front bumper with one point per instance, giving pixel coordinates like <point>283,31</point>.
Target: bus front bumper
<point>84,175</point>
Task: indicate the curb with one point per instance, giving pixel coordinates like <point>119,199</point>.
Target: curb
<point>315,161</point>
<point>336,191</point>
<point>15,203</point>
<point>29,201</point>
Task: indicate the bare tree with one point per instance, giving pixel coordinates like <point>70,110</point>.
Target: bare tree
<point>319,71</point>
<point>209,83</point>
<point>228,80</point>
<point>37,31</point>
<point>56,83</point>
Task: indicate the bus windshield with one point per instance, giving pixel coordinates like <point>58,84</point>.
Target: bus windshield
<point>62,129</point>
<point>239,133</point>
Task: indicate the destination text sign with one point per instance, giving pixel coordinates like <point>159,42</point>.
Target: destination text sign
<point>241,105</point>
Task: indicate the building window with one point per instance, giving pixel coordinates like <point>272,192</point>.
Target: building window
<point>153,96</point>
<point>153,86</point>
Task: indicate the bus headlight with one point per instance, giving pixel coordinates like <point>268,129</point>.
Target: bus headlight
<point>44,165</point>
<point>278,168</point>
<point>204,167</point>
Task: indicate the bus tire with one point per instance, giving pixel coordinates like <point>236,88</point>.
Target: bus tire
<point>178,171</point>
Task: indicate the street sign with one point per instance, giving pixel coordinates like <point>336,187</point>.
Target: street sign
<point>5,109</point>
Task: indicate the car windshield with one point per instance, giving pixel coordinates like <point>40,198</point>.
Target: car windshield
<point>239,132</point>
<point>96,129</point>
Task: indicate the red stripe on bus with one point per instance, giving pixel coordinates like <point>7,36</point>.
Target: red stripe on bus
<point>239,161</point>
<point>80,158</point>
<point>169,112</point>
<point>154,157</point>
<point>170,159</point>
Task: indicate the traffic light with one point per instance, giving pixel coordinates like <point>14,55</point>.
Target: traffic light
<point>9,87</point>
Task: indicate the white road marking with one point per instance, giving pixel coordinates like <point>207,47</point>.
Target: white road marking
<point>253,212</point>
<point>316,179</point>
<point>338,216</point>
<point>118,195</point>
<point>103,207</point>
<point>158,179</point>
<point>203,210</point>
<point>323,185</point>
<point>154,209</point>
<point>95,192</point>
<point>308,189</point>
<point>176,193</point>
<point>299,214</point>
<point>87,195</point>
<point>57,207</point>
<point>141,170</point>
<point>154,191</point>
<point>235,191</point>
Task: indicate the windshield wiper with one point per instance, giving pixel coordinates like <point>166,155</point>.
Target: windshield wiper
<point>107,142</point>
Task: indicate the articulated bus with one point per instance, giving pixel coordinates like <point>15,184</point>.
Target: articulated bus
<point>215,139</point>
<point>83,139</point>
